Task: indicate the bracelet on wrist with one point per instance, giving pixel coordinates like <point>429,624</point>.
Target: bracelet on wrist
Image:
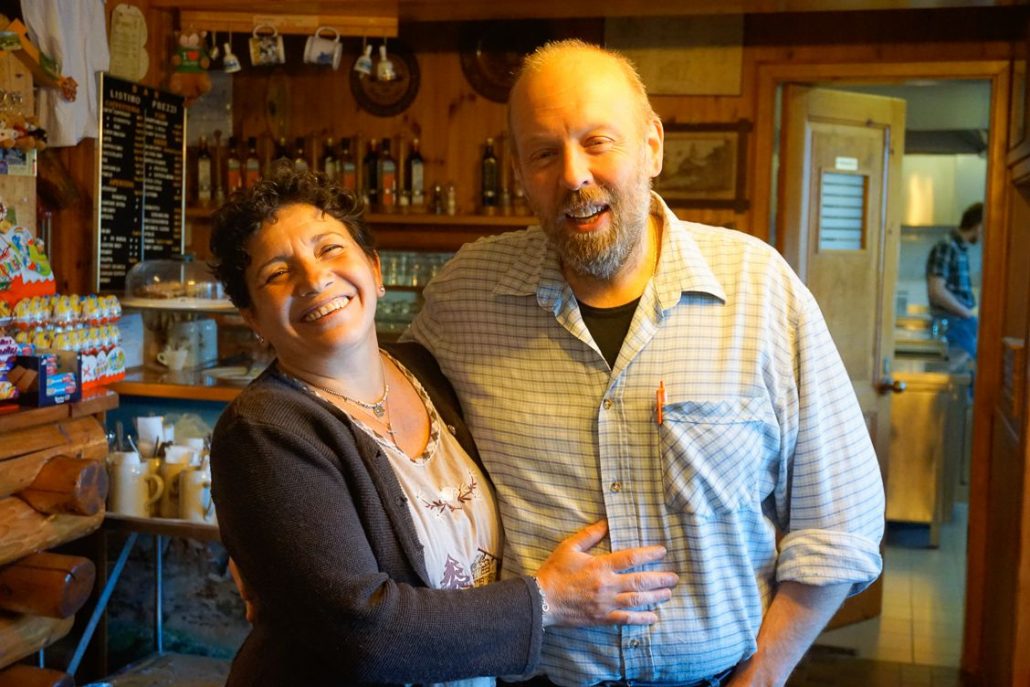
<point>545,608</point>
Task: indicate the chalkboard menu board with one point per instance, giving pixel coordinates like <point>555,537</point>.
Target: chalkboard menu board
<point>141,158</point>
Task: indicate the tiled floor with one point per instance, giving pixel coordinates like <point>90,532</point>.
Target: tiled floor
<point>923,600</point>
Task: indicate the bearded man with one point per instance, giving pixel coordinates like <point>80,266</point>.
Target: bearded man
<point>673,378</point>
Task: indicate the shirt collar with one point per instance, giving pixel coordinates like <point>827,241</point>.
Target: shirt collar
<point>958,240</point>
<point>682,267</point>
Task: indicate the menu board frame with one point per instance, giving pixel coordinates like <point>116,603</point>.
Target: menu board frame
<point>141,177</point>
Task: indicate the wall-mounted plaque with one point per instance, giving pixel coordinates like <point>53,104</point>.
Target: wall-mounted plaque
<point>141,175</point>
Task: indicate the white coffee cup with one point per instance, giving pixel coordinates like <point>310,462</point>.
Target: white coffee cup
<point>322,50</point>
<point>173,358</point>
<point>133,488</point>
<point>151,431</point>
<point>195,496</point>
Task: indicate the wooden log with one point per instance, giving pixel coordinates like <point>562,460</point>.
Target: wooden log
<point>24,452</point>
<point>24,530</point>
<point>68,485</point>
<point>22,675</point>
<point>47,584</point>
<point>22,635</point>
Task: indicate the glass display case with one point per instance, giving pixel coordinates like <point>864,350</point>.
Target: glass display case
<point>183,319</point>
<point>174,284</point>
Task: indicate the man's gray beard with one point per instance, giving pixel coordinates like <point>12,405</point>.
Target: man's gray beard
<point>599,255</point>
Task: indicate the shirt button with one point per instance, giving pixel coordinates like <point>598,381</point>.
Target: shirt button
<point>607,404</point>
<point>616,488</point>
<point>634,644</point>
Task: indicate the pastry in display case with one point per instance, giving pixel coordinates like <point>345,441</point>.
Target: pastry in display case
<point>174,284</point>
<point>182,307</point>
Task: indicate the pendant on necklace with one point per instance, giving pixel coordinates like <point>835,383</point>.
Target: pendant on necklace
<point>378,409</point>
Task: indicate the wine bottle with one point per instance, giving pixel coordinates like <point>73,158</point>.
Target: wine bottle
<point>233,167</point>
<point>203,174</point>
<point>329,165</point>
<point>252,165</point>
<point>489,178</point>
<point>387,177</point>
<point>370,173</point>
<point>300,159</point>
<point>348,169</point>
<point>415,177</point>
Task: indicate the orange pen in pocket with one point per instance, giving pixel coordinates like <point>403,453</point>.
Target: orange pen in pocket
<point>659,401</point>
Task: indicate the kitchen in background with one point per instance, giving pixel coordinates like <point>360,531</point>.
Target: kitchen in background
<point>944,171</point>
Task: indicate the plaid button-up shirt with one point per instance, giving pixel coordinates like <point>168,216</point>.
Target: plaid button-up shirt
<point>949,258</point>
<point>761,435</point>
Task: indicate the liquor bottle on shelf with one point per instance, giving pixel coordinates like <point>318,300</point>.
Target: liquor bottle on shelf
<point>217,187</point>
<point>300,158</point>
<point>348,169</point>
<point>489,177</point>
<point>414,177</point>
<point>282,152</point>
<point>233,167</point>
<point>252,165</point>
<point>403,194</point>
<point>370,175</point>
<point>203,173</point>
<point>328,164</point>
<point>452,199</point>
<point>387,178</point>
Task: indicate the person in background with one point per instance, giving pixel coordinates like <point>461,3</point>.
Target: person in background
<point>349,493</point>
<point>674,378</point>
<point>947,281</point>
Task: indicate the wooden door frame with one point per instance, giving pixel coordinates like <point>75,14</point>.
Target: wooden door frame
<point>988,379</point>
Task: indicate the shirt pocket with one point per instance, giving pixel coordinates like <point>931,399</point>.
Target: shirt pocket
<point>712,453</point>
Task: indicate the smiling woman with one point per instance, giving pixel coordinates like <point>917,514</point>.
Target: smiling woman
<point>349,492</point>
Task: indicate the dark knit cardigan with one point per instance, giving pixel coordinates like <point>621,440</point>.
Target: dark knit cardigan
<point>312,512</point>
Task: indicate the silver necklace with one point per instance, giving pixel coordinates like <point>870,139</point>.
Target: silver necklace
<point>378,408</point>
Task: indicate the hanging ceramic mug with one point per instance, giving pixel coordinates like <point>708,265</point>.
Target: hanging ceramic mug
<point>266,49</point>
<point>230,62</point>
<point>322,50</point>
<point>385,70</point>
<point>363,65</point>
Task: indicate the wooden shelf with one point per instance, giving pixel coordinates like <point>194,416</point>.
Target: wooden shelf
<point>421,231</point>
<point>189,385</point>
<point>378,18</point>
<point>167,527</point>
<point>94,401</point>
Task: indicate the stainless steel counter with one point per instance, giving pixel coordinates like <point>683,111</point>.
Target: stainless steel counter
<point>929,441</point>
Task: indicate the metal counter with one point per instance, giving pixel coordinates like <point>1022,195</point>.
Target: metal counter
<point>929,442</point>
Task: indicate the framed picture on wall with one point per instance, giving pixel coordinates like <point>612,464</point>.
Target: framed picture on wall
<point>704,165</point>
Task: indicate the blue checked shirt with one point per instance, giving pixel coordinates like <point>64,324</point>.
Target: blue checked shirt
<point>949,258</point>
<point>762,436</point>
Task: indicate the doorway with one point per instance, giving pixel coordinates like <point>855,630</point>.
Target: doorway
<point>939,640</point>
<point>944,171</point>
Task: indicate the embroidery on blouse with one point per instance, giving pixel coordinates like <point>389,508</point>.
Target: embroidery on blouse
<point>451,499</point>
<point>454,575</point>
<point>484,568</point>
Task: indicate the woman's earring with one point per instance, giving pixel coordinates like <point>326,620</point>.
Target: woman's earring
<point>382,290</point>
<point>260,339</point>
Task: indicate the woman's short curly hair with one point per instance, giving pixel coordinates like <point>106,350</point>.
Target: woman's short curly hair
<point>247,210</point>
